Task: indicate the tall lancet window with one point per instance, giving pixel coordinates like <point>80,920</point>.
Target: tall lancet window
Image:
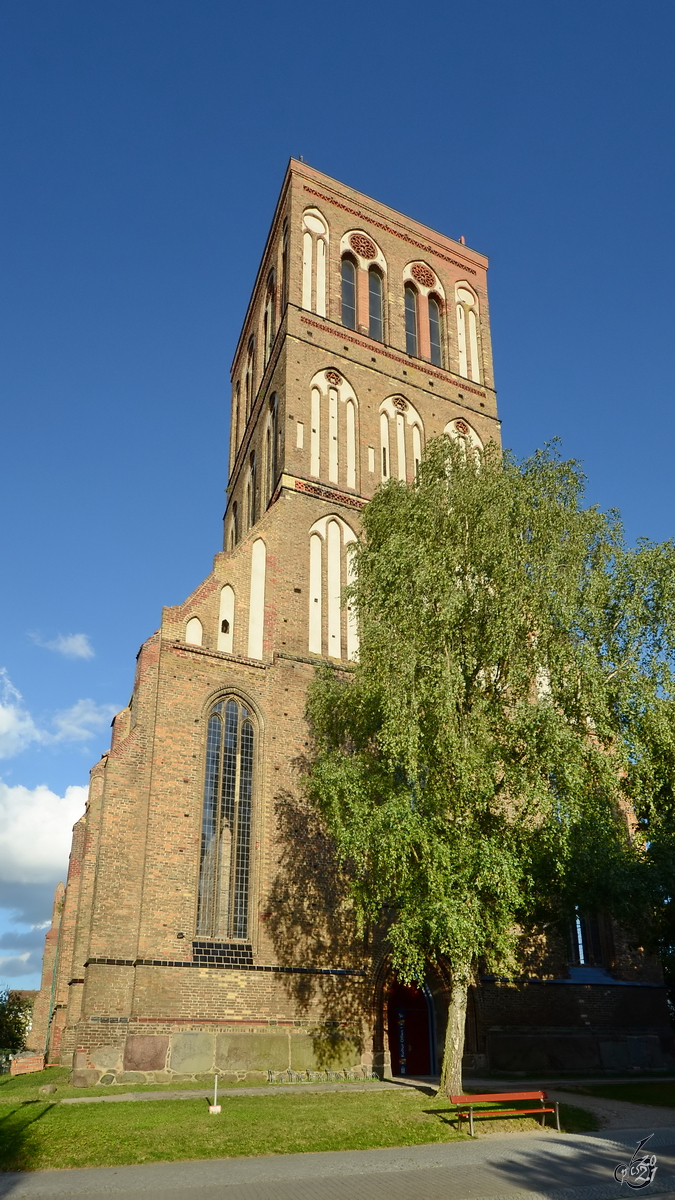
<point>410,320</point>
<point>348,293</point>
<point>225,861</point>
<point>375,312</point>
<point>435,340</point>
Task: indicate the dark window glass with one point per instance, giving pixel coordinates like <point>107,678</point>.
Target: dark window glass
<point>375,329</point>
<point>410,320</point>
<point>253,492</point>
<point>209,847</point>
<point>435,332</point>
<point>284,268</point>
<point>348,293</point>
<point>243,840</point>
<point>225,863</point>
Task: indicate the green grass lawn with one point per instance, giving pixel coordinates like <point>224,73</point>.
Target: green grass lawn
<point>644,1092</point>
<point>36,1135</point>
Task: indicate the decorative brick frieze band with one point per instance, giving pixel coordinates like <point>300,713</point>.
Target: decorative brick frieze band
<point>354,212</point>
<point>408,362</point>
<point>324,493</point>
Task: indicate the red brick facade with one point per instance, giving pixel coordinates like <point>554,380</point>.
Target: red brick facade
<point>145,984</point>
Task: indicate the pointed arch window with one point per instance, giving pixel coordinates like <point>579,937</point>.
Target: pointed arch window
<point>435,336</point>
<point>348,293</point>
<point>225,858</point>
<point>375,306</point>
<point>410,320</point>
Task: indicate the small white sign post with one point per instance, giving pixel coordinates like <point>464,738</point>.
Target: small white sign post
<point>215,1107</point>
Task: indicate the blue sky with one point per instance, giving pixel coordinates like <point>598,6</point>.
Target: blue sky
<point>143,146</point>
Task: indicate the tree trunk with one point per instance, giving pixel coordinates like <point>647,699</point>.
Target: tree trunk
<point>451,1072</point>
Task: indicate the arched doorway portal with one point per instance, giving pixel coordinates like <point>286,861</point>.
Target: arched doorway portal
<point>411,1030</point>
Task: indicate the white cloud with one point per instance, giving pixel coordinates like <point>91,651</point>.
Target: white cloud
<point>82,721</point>
<point>17,728</point>
<point>20,965</point>
<point>71,645</point>
<point>35,829</point>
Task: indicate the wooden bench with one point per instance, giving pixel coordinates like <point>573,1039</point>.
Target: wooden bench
<point>466,1107</point>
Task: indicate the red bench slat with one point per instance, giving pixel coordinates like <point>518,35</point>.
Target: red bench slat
<point>493,1097</point>
<point>504,1112</point>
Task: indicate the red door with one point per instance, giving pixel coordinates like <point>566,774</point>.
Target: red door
<point>409,1031</point>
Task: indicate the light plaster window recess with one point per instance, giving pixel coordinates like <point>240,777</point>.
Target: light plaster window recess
<point>256,612</point>
<point>226,620</point>
<point>468,324</point>
<point>194,632</point>
<point>334,443</point>
<point>329,571</point>
<point>466,435</point>
<point>315,241</point>
<point>400,415</point>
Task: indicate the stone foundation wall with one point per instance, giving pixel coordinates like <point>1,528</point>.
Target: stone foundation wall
<point>237,1055</point>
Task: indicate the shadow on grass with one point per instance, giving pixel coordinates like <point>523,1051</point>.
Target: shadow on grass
<point>15,1147</point>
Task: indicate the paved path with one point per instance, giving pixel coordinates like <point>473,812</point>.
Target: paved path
<point>617,1114</point>
<point>540,1166</point>
<point>272,1090</point>
<point>612,1114</point>
<point>427,1084</point>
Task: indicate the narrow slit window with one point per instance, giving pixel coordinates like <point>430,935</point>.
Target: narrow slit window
<point>348,293</point>
<point>410,320</point>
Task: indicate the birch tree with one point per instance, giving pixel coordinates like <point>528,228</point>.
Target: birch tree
<point>478,767</point>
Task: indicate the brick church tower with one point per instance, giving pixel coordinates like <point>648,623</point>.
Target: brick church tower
<point>202,926</point>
